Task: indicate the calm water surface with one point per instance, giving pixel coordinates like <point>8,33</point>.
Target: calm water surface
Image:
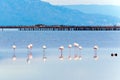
<point>106,68</point>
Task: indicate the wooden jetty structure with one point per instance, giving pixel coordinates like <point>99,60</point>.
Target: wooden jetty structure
<point>62,28</point>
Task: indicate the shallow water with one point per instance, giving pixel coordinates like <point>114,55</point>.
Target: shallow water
<point>55,39</point>
<point>106,68</point>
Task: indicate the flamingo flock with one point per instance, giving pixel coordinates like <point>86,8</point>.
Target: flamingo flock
<point>77,52</point>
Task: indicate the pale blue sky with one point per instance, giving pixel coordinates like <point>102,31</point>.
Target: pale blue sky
<point>69,2</point>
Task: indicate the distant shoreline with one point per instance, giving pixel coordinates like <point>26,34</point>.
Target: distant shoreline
<point>42,27</point>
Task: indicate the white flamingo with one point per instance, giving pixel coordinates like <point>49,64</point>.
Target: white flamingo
<point>95,52</point>
<point>30,46</point>
<point>14,56</point>
<point>44,56</point>
<point>29,57</point>
<point>69,57</point>
<point>61,48</point>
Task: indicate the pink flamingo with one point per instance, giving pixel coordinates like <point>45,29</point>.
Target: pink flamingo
<point>61,48</point>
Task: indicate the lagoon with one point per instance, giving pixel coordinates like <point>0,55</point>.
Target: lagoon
<point>106,68</point>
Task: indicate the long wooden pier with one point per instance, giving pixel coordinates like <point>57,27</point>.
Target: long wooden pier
<point>62,28</point>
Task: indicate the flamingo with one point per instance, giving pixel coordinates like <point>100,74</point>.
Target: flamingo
<point>14,56</point>
<point>30,46</point>
<point>61,48</point>
<point>44,57</point>
<point>95,52</point>
<point>69,57</point>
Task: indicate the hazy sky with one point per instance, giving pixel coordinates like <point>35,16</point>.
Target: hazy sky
<point>69,2</point>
